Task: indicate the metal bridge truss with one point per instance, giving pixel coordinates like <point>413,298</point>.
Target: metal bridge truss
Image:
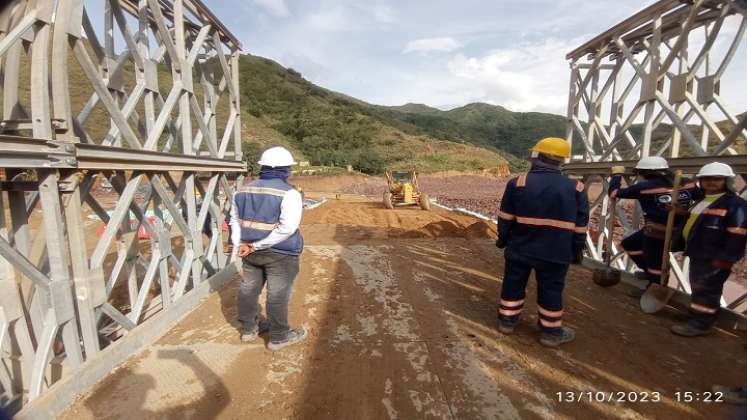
<point>650,86</point>
<point>148,106</point>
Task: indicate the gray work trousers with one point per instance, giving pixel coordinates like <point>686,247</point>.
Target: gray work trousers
<point>276,270</point>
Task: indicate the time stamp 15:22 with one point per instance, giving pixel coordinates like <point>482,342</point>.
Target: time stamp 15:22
<point>637,397</point>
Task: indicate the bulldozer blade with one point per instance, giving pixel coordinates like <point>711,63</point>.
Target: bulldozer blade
<point>655,298</point>
<point>606,277</point>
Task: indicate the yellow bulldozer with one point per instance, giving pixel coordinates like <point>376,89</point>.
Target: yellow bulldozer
<point>404,191</point>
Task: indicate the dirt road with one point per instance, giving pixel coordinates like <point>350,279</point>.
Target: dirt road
<point>401,309</point>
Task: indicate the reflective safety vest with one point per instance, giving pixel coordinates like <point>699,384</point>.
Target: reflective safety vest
<point>258,206</point>
<point>720,231</point>
<point>544,215</point>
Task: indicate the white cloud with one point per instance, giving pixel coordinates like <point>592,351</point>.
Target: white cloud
<point>383,13</point>
<point>528,77</point>
<point>385,52</point>
<point>335,19</point>
<point>277,8</point>
<point>425,45</point>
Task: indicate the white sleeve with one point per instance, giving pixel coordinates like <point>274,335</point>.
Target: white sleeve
<point>235,223</point>
<point>291,210</point>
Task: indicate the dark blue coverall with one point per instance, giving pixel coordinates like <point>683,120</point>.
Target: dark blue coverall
<point>719,234</point>
<point>542,224</point>
<point>646,246</point>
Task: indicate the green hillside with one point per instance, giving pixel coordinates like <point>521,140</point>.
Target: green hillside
<point>332,129</point>
<point>481,124</point>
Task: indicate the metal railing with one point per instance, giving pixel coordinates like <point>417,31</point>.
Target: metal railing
<point>650,86</point>
<point>118,150</point>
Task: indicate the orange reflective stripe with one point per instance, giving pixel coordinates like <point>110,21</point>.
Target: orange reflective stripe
<point>656,191</point>
<point>654,271</point>
<point>550,313</point>
<point>581,229</point>
<point>715,212</point>
<point>579,186</point>
<point>522,181</point>
<point>253,224</point>
<point>561,224</point>
<point>512,303</point>
<point>509,312</point>
<point>703,309</point>
<point>737,230</point>
<point>634,252</point>
<point>688,186</point>
<point>506,216</point>
<point>551,324</point>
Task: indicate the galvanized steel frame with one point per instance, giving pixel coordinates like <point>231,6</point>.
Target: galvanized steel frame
<point>654,70</point>
<point>56,304</point>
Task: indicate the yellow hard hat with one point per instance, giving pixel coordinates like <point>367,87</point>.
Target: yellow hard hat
<point>553,146</point>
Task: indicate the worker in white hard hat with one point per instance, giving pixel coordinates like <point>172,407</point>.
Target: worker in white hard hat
<point>653,191</point>
<point>715,234</point>
<point>265,220</point>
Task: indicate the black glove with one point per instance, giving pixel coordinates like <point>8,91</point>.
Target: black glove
<point>501,243</point>
<point>578,257</point>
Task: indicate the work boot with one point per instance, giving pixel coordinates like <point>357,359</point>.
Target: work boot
<point>688,329</point>
<point>554,339</point>
<point>293,337</point>
<point>263,326</point>
<point>506,326</point>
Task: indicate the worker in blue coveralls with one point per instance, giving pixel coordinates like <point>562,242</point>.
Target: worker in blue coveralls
<point>653,191</point>
<point>265,219</point>
<point>542,225</point>
<point>715,234</point>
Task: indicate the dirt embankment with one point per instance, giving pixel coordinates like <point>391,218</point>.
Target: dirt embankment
<point>365,219</point>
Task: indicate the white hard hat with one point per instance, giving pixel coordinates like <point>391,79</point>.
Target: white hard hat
<point>716,169</point>
<point>276,156</point>
<point>652,163</point>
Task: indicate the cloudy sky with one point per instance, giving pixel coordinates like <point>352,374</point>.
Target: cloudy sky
<point>443,53</point>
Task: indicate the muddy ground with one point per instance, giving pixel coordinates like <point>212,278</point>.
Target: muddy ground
<point>401,307</point>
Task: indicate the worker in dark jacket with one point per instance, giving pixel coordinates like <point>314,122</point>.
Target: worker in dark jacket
<point>542,224</point>
<point>654,193</point>
<point>715,235</point>
<point>265,219</point>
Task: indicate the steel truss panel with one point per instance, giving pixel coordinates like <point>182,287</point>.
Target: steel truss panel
<point>686,165</point>
<point>659,96</point>
<point>117,154</point>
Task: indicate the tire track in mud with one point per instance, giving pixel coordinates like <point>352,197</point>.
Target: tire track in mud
<point>390,330</point>
<point>396,319</point>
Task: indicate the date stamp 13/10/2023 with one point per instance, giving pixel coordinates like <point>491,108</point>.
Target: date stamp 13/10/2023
<point>638,397</point>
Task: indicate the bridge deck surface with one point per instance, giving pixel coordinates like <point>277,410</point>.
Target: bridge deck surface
<point>401,309</point>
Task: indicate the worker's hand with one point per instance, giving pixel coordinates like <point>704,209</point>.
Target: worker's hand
<point>245,249</point>
<point>501,243</point>
<point>722,264</point>
<point>617,170</point>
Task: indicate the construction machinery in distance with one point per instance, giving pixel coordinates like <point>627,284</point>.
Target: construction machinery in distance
<point>404,190</point>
